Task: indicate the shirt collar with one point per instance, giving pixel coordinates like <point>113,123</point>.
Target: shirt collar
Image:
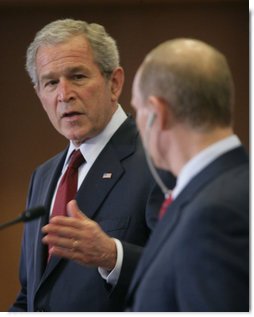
<point>92,147</point>
<point>202,159</point>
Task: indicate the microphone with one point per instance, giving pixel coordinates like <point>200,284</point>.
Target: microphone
<point>27,215</point>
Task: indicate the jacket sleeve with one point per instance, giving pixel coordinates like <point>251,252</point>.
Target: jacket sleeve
<point>20,304</point>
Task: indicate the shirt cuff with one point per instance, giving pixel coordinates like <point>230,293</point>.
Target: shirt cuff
<point>112,276</point>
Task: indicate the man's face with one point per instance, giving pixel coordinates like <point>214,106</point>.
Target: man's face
<point>143,111</point>
<point>152,134</point>
<point>79,101</point>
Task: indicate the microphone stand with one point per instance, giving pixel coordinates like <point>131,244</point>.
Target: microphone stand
<point>27,215</point>
<point>9,223</point>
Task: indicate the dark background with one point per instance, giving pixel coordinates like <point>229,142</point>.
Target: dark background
<point>27,138</point>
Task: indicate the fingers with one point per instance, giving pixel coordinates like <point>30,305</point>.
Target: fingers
<point>74,211</point>
<point>60,231</point>
<point>65,253</point>
<point>61,242</point>
<point>63,246</point>
<point>74,219</point>
<point>79,238</point>
<point>67,248</point>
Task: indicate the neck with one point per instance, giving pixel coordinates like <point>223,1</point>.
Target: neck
<point>185,144</point>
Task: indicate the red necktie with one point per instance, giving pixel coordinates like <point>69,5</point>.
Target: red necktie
<point>67,188</point>
<point>165,206</point>
<point>68,185</point>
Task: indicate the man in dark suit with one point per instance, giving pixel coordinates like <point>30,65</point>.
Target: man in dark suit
<point>197,258</point>
<point>74,67</point>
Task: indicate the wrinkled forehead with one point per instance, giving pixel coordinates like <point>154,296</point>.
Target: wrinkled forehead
<point>77,45</point>
<point>67,52</point>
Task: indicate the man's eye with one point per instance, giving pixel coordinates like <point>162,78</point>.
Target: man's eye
<point>50,83</point>
<point>78,76</point>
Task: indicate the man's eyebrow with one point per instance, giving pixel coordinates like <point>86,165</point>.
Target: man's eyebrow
<point>68,70</point>
<point>46,77</point>
<point>75,69</point>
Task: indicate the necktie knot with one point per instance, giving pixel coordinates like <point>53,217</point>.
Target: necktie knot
<point>76,160</point>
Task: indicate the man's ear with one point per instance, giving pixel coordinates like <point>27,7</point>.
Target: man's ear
<point>160,110</point>
<point>117,81</point>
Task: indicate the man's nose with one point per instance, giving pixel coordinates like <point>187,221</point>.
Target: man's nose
<point>64,91</point>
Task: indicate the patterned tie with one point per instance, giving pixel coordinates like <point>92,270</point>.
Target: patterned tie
<point>67,188</point>
<point>165,206</point>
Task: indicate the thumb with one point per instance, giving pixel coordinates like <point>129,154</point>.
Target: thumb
<point>74,211</point>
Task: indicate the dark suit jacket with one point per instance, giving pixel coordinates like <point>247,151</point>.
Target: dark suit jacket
<point>197,258</point>
<point>124,206</point>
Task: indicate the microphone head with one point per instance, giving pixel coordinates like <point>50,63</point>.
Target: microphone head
<point>33,213</point>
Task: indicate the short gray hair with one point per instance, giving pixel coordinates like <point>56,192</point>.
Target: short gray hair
<point>105,51</point>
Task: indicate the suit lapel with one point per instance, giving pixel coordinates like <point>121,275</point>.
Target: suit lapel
<point>166,225</point>
<point>103,175</point>
<point>107,169</point>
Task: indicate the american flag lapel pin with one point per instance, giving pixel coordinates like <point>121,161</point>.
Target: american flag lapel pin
<point>107,175</point>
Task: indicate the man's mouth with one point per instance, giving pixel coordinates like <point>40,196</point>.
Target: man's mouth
<point>71,114</point>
